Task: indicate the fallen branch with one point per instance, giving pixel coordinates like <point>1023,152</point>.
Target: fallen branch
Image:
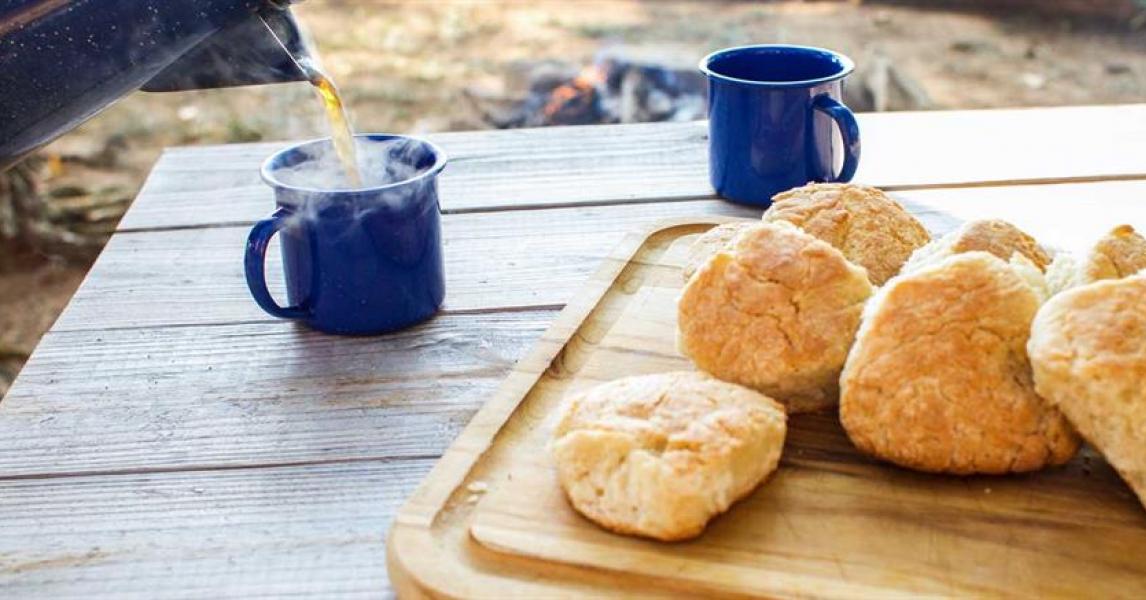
<point>73,224</point>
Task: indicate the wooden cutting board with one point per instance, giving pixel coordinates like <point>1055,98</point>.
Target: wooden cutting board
<point>490,519</point>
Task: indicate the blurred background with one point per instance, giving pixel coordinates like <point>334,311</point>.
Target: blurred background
<point>422,66</point>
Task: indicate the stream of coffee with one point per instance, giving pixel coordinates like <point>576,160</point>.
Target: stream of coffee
<point>341,133</point>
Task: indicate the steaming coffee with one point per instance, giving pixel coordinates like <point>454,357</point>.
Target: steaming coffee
<point>361,259</point>
<point>341,133</point>
<point>380,162</point>
<point>358,223</point>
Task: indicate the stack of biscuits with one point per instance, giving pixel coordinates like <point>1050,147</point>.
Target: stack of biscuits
<point>974,353</point>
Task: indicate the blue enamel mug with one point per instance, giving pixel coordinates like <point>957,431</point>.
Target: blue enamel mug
<point>356,261</point>
<point>772,112</point>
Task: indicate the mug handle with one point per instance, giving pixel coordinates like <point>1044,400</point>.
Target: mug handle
<point>254,264</point>
<point>849,131</point>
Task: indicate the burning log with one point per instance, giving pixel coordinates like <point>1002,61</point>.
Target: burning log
<point>577,102</point>
<point>618,90</point>
<point>612,90</point>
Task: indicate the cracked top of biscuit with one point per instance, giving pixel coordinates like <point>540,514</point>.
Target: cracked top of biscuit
<point>869,227</point>
<point>708,244</point>
<point>776,311</point>
<point>659,455</point>
<point>994,236</point>
<point>684,418</point>
<point>1120,253</point>
<point>939,379</point>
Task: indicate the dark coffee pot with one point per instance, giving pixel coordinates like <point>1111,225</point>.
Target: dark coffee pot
<point>63,61</point>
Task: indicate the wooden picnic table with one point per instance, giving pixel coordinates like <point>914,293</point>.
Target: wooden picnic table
<point>168,438</point>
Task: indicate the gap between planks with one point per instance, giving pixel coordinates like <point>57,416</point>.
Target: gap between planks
<point>1041,210</point>
<point>607,202</point>
<point>232,395</point>
<point>317,530</point>
<point>215,468</point>
<point>507,170</point>
<point>520,261</point>
<point>445,312</point>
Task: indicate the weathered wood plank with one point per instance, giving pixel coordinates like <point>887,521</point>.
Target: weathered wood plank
<point>273,532</point>
<point>1061,216</point>
<point>523,258</point>
<point>150,397</point>
<point>493,260</point>
<point>250,394</point>
<point>213,185</point>
<point>265,391</point>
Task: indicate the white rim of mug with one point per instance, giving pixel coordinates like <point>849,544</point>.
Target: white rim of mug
<point>846,62</point>
<point>267,172</point>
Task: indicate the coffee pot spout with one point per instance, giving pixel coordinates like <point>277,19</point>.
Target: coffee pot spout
<point>257,50</point>
<point>63,61</point>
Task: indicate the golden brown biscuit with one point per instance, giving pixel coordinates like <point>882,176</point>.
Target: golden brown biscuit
<point>1088,353</point>
<point>1118,254</point>
<point>938,379</point>
<point>870,228</point>
<point>708,244</point>
<point>994,236</point>
<point>775,311</point>
<point>661,455</point>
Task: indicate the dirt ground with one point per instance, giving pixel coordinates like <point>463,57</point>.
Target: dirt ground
<point>403,66</point>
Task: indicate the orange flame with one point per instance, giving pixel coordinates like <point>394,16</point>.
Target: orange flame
<point>585,82</point>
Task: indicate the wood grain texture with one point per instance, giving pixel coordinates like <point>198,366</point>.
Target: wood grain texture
<point>830,523</point>
<point>1063,216</point>
<point>146,392</point>
<point>252,394</point>
<point>246,533</point>
<point>535,258</point>
<point>493,261</point>
<point>169,440</point>
<point>212,185</point>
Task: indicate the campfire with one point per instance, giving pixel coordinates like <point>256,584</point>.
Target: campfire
<point>611,90</point>
<point>619,89</point>
<point>577,102</point>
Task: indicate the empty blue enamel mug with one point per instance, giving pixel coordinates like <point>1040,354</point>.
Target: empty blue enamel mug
<point>772,111</point>
<point>356,261</point>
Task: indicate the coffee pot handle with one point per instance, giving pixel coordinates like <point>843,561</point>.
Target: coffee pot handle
<point>849,131</point>
<point>254,264</point>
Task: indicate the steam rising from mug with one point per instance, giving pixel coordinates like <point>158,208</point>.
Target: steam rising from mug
<point>357,259</point>
<point>380,162</point>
